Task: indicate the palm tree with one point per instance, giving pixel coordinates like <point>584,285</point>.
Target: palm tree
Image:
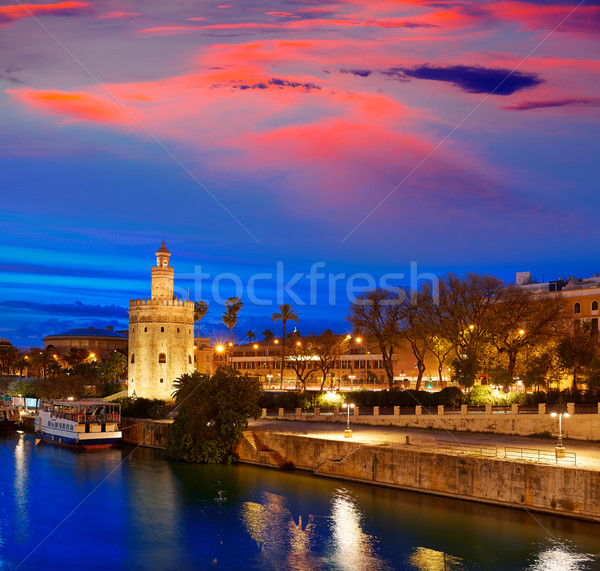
<point>251,335</point>
<point>229,319</point>
<point>268,335</point>
<point>233,305</point>
<point>200,310</point>
<point>286,313</point>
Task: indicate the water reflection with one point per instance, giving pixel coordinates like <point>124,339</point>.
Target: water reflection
<point>430,560</point>
<point>283,542</point>
<point>561,557</point>
<point>21,488</point>
<point>353,547</point>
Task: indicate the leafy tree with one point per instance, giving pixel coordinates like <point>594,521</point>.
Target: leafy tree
<point>200,310</point>
<point>144,408</point>
<point>212,414</point>
<point>76,356</point>
<point>377,314</point>
<point>23,387</point>
<point>285,314</point>
<point>576,351</point>
<point>8,356</point>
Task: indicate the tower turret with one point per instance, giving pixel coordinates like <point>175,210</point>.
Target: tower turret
<point>162,275</point>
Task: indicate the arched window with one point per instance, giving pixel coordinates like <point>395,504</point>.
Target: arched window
<point>162,358</point>
<point>190,359</point>
<point>162,329</point>
<point>133,357</point>
<point>594,306</point>
<point>577,308</point>
<point>145,330</point>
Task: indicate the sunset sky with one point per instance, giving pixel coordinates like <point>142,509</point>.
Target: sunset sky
<point>462,136</point>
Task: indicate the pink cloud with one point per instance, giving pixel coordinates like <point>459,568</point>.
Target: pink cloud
<point>118,15</point>
<point>74,106</point>
<point>9,14</point>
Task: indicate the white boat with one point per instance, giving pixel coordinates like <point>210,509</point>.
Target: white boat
<point>84,424</point>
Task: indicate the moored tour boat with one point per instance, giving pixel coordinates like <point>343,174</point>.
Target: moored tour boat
<point>84,424</point>
<point>9,417</point>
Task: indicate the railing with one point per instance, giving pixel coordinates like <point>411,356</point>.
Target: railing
<point>483,449</point>
<point>540,455</point>
<point>528,409</point>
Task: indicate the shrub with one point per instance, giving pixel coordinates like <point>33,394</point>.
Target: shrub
<point>154,409</point>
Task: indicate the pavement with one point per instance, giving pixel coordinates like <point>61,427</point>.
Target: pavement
<point>587,453</point>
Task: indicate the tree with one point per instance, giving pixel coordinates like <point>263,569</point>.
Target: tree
<point>416,324</point>
<point>200,310</point>
<point>577,350</point>
<point>251,335</point>
<point>212,415</point>
<point>268,335</point>
<point>230,317</point>
<point>8,356</point>
<point>285,314</point>
<point>522,320</point>
<point>465,315</point>
<point>328,348</point>
<point>301,361</point>
<point>377,314</point>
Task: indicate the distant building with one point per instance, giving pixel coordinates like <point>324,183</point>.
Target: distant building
<point>581,296</point>
<point>100,342</point>
<point>161,335</point>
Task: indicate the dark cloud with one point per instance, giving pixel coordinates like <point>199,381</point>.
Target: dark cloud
<point>276,82</point>
<point>472,79</point>
<point>75,309</point>
<point>358,72</point>
<point>566,102</point>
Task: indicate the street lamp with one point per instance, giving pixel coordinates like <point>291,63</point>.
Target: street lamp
<point>348,432</point>
<point>560,449</point>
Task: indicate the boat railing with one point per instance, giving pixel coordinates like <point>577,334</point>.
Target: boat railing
<point>82,417</point>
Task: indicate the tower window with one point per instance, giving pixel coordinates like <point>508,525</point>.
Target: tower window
<point>577,308</point>
<point>133,357</point>
<point>190,359</point>
<point>161,380</point>
<point>145,330</point>
<point>594,306</point>
<point>162,329</point>
<point>178,330</point>
<point>162,358</point>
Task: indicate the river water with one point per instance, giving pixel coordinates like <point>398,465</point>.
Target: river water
<point>134,509</point>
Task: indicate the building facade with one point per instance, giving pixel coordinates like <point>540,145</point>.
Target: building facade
<point>99,342</point>
<point>161,336</point>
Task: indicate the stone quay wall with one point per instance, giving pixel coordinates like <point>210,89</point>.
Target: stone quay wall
<point>557,490</point>
<point>145,432</point>
<point>514,420</point>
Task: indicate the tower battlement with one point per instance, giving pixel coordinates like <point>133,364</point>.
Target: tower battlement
<point>160,302</point>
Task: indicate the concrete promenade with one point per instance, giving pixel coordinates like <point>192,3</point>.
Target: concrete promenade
<point>587,453</point>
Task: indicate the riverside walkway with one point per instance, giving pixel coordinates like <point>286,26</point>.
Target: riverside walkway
<point>587,453</point>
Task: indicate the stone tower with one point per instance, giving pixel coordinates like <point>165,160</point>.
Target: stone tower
<point>161,335</point>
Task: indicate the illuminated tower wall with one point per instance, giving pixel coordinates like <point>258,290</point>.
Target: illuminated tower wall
<point>161,335</point>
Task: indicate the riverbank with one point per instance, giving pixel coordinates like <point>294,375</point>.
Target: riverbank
<point>459,469</point>
<point>468,466</point>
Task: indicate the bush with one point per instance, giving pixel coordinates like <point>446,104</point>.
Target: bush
<point>154,409</point>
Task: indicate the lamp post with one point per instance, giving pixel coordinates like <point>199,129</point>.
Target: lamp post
<point>348,432</point>
<point>559,450</point>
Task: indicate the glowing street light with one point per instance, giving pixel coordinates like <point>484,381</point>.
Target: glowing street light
<point>559,450</point>
<point>348,432</point>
